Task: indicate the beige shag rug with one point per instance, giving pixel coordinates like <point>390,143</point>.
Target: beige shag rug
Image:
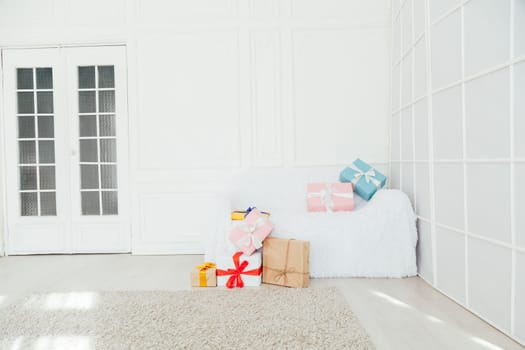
<point>262,318</point>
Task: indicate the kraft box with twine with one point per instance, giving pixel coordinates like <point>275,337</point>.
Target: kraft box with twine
<point>286,262</point>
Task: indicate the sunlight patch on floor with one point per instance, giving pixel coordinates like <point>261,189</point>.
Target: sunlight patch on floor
<point>63,301</point>
<point>434,319</point>
<point>17,344</point>
<point>486,344</point>
<point>391,299</point>
<point>402,304</point>
<point>74,300</point>
<point>63,343</point>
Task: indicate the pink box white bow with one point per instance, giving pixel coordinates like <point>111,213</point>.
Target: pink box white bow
<point>330,197</point>
<point>251,232</point>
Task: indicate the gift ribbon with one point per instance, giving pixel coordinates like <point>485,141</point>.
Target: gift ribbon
<point>252,208</point>
<point>326,196</point>
<point>240,214</point>
<point>368,175</point>
<point>203,268</point>
<point>249,239</point>
<point>235,274</point>
<point>283,273</point>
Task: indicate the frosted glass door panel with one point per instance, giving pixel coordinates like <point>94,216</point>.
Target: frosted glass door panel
<point>46,126</point>
<point>97,140</point>
<point>26,127</point>
<point>99,181</point>
<point>88,126</point>
<point>44,78</point>
<point>37,166</point>
<point>36,144</point>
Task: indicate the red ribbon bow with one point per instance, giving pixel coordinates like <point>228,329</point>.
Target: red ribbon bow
<point>235,278</point>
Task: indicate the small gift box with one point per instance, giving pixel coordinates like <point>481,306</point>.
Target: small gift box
<point>249,234</point>
<point>286,262</point>
<point>241,214</point>
<point>204,275</point>
<point>330,197</point>
<point>366,179</point>
<point>239,270</point>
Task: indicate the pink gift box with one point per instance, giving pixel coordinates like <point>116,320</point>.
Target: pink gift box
<point>249,234</point>
<point>330,197</point>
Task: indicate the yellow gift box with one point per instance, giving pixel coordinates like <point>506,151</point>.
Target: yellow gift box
<point>204,275</point>
<point>240,214</point>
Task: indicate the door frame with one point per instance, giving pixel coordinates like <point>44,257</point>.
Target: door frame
<point>3,188</point>
<point>4,217</point>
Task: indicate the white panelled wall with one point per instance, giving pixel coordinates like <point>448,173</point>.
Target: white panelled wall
<point>458,148</point>
<point>3,231</point>
<point>219,86</point>
<point>2,198</point>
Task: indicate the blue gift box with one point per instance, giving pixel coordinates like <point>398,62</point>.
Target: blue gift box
<point>366,179</point>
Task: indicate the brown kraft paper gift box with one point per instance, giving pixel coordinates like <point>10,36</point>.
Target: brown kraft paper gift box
<point>286,262</point>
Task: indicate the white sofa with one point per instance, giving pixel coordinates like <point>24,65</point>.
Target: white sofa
<point>377,239</point>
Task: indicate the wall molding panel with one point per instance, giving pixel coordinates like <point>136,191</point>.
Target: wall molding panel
<point>185,233</point>
<point>154,12</point>
<point>266,105</point>
<point>346,98</point>
<point>3,199</point>
<point>453,196</point>
<point>264,8</point>
<point>205,67</point>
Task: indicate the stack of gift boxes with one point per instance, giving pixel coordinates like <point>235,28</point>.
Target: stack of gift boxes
<point>259,258</point>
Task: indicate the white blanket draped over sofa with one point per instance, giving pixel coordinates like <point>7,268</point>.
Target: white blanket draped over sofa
<point>377,239</point>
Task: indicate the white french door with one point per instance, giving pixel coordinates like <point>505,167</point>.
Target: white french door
<point>66,140</point>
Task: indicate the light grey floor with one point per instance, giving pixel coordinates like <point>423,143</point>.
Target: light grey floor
<point>397,313</point>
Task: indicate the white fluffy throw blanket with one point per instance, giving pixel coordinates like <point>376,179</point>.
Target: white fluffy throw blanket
<point>378,239</point>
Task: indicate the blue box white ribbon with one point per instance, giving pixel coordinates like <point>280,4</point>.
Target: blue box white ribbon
<point>366,179</point>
